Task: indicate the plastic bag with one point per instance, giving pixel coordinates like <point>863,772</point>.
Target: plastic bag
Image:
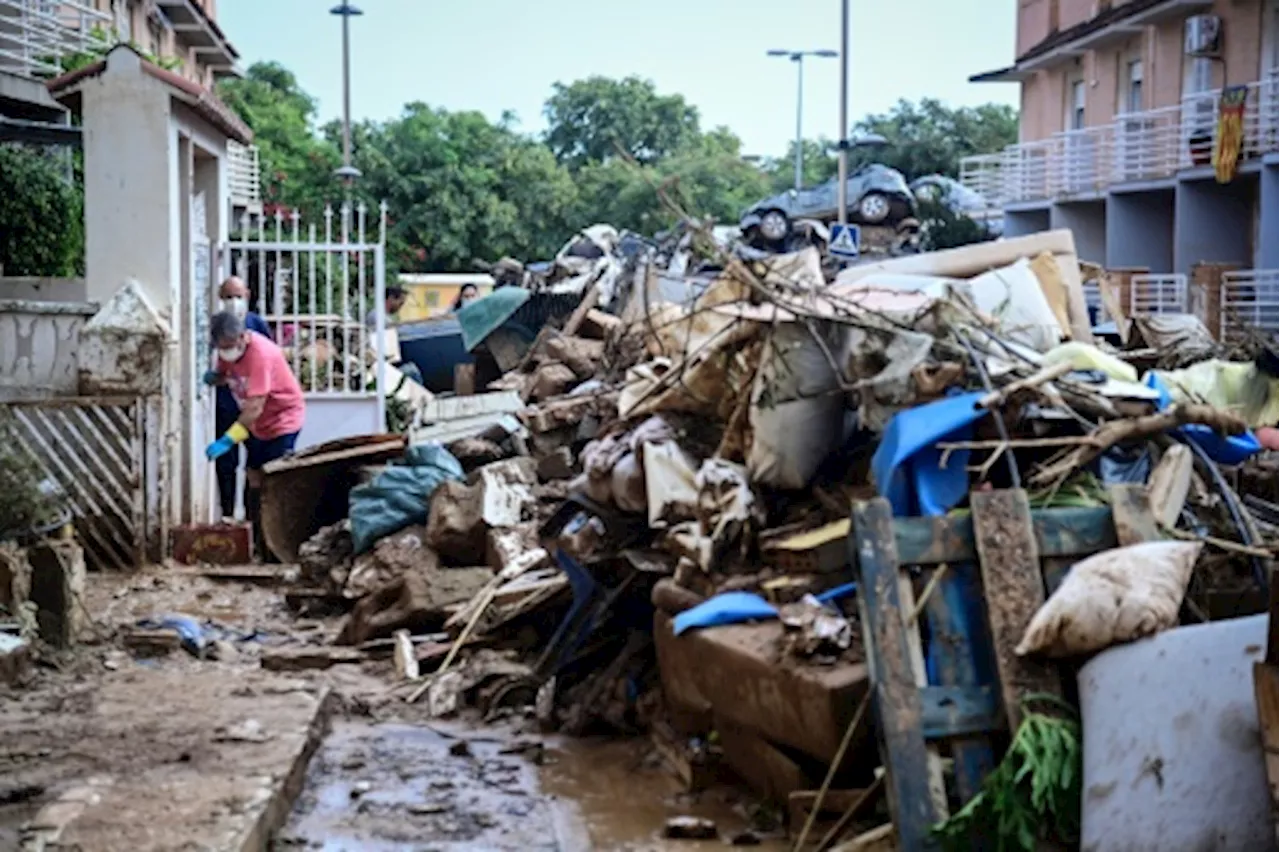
<point>1112,597</point>
<point>400,495</point>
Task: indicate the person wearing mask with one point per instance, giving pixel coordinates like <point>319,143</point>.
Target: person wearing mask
<point>394,300</point>
<point>233,297</point>
<point>272,408</point>
<point>468,294</point>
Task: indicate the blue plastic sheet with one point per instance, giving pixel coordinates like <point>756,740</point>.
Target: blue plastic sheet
<point>737,607</point>
<point>1224,449</point>
<point>726,608</point>
<point>907,464</point>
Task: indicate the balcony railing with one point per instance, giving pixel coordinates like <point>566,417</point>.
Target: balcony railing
<point>1250,300</point>
<point>244,176</point>
<point>1140,146</point>
<point>36,35</point>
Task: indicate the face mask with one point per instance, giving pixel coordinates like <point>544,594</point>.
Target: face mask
<point>236,305</point>
<point>233,354</point>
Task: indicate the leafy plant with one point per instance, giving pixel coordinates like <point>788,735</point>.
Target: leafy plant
<point>944,228</point>
<point>41,218</point>
<point>69,62</point>
<point>1033,795</point>
<point>25,503</point>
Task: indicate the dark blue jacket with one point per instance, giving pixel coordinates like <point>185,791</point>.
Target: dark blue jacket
<point>226,402</point>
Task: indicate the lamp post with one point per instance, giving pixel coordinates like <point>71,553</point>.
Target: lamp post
<point>346,11</point>
<point>798,56</point>
<point>842,174</point>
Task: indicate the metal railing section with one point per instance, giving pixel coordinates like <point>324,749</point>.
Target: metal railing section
<point>1140,146</point>
<point>1250,300</point>
<point>315,287</point>
<point>36,35</point>
<point>244,176</point>
<point>1157,294</point>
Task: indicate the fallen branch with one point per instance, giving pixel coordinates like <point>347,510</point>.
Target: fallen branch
<point>1220,543</point>
<point>1115,431</point>
<point>1036,379</point>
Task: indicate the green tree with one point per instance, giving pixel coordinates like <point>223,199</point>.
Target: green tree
<point>929,137</point>
<point>706,177</point>
<point>459,188</point>
<point>297,164</point>
<point>589,120</point>
<point>820,165</point>
<point>41,214</point>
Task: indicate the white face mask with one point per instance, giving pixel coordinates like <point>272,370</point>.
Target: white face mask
<point>237,305</point>
<point>232,354</point>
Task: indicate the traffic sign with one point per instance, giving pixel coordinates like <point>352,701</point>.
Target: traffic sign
<point>845,241</point>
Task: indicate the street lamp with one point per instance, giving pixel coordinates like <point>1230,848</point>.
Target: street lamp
<point>797,56</point>
<point>344,9</point>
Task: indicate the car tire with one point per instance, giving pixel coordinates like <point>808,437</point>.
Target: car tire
<point>874,208</point>
<point>778,220</point>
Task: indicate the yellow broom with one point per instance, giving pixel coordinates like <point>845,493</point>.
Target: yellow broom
<point>1230,136</point>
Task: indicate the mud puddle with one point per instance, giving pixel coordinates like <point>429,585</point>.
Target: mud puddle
<point>400,787</point>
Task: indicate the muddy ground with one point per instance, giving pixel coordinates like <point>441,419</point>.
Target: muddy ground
<point>115,747</point>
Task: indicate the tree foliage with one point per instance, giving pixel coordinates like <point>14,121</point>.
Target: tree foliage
<point>591,119</point>
<point>41,214</point>
<point>460,187</point>
<point>931,138</point>
<point>297,164</point>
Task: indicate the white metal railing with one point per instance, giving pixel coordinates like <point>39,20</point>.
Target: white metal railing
<point>984,175</point>
<point>36,35</point>
<point>315,287</point>
<point>244,176</point>
<point>1137,146</point>
<point>1157,294</point>
<point>1250,299</point>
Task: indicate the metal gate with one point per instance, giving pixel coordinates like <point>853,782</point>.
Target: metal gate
<point>94,449</point>
<point>315,287</point>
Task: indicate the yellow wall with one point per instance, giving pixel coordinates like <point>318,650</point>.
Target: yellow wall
<point>424,301</point>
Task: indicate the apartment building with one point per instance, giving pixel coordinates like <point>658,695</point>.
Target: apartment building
<point>38,38</point>
<point>1119,115</point>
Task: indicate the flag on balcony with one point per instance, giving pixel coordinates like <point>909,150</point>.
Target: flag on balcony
<point>1230,136</point>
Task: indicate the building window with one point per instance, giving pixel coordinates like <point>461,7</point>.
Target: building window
<point>1133,92</point>
<point>1075,108</point>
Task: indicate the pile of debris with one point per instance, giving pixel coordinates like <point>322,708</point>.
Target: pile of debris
<point>644,525</point>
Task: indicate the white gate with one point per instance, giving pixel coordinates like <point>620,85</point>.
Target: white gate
<point>315,287</point>
<point>94,449</point>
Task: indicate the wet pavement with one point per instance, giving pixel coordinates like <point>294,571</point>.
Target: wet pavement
<point>410,788</point>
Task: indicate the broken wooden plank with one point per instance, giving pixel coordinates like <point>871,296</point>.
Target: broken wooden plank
<point>464,379</point>
<point>444,408</point>
<point>1132,515</point>
<point>1014,590</point>
<point>897,694</point>
<point>1074,532</point>
<point>814,551</point>
<point>310,658</point>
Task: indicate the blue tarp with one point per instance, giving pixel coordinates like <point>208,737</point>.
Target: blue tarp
<point>483,316</point>
<point>400,495</point>
<point>1224,449</point>
<point>906,464</point>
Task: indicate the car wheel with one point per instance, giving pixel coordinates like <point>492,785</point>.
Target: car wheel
<point>774,226</point>
<point>874,208</point>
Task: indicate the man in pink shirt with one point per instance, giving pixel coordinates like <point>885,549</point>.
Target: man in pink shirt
<point>270,399</point>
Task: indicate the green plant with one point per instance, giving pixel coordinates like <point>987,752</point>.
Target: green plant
<point>944,228</point>
<point>69,62</point>
<point>41,215</point>
<point>1034,794</point>
<point>25,505</point>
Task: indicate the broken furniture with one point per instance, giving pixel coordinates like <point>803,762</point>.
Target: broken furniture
<point>1007,541</point>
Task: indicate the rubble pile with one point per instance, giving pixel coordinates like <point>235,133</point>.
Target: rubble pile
<point>645,523</point>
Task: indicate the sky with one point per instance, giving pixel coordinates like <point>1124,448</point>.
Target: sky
<point>498,55</point>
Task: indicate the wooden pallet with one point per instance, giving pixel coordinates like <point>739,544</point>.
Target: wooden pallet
<point>1017,553</point>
